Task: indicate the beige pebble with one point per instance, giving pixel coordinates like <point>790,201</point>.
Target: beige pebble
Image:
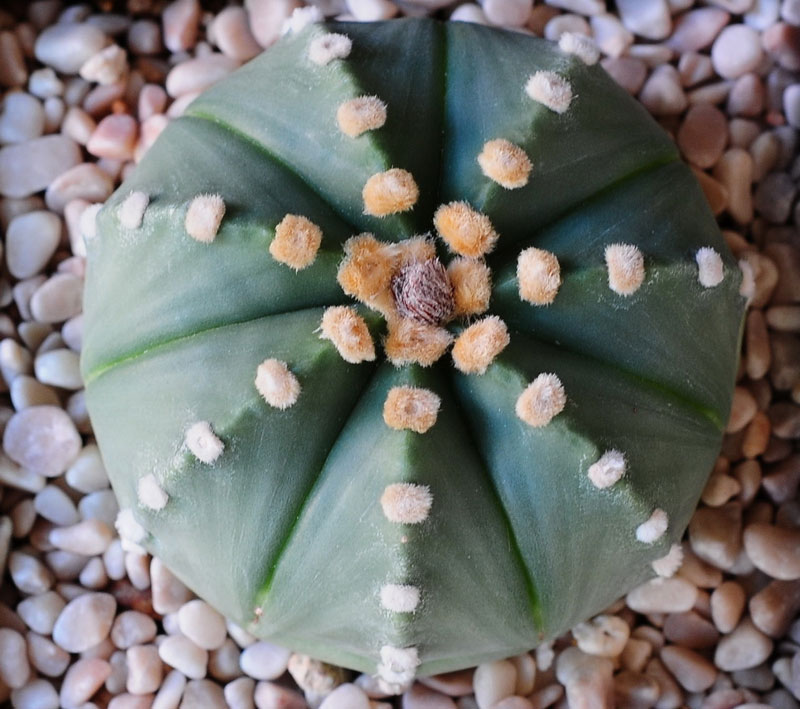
<point>744,648</point>
<point>264,661</point>
<point>604,635</point>
<point>202,624</point>
<point>693,671</point>
<point>453,684</point>
<point>144,669</point>
<point>715,534</point>
<point>774,550</point>
<point>66,46</point>
<point>31,240</point>
<point>610,34</point>
<point>694,68</point>
<point>202,694</point>
<point>85,181</point>
<point>633,689</point>
<point>775,607</point>
<point>646,18</point>
<point>697,29</point>
<point>587,678</point>
<point>494,681</point>
<point>182,654</point>
<point>115,137</point>
<point>720,489</point>
<point>180,23</point>
<point>28,573</point>
<point>171,690</point>
<point>43,439</point>
<point>231,32</point>
<point>690,630</point>
<point>31,166</point>
<point>84,622</point>
<point>223,662</point>
<point>703,135</point>
<point>526,673</point>
<point>239,694</point>
<point>715,193</point>
<point>743,408</point>
<point>628,72</point>
<point>662,93</point>
<point>89,537</point>
<point>82,680</point>
<point>636,654</point>
<point>57,299</point>
<point>169,594</point>
<point>60,368</point>
<point>747,96</point>
<point>25,392</point>
<point>727,604</point>
<point>418,696</point>
<point>662,595</point>
<point>14,666</point>
<point>37,694</point>
<point>269,694</point>
<point>346,696</point>
<point>40,611</point>
<point>734,170</point>
<point>198,74</point>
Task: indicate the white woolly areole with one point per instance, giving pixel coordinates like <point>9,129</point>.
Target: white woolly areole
<point>543,399</point>
<point>301,18</point>
<point>204,217</point>
<point>202,441</point>
<point>747,288</point>
<point>150,493</point>
<point>398,666</point>
<point>608,469</point>
<point>549,89</point>
<point>87,223</point>
<point>277,384</point>
<point>406,503</point>
<point>581,46</point>
<point>668,565</point>
<point>324,49</point>
<point>538,276</point>
<point>505,163</point>
<point>625,265</point>
<point>131,211</point>
<point>655,527</point>
<point>709,267</point>
<point>399,598</point>
<point>128,528</point>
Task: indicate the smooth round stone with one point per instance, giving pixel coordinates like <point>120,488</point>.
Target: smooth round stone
<point>171,691</point>
<point>610,34</point>
<point>28,573</point>
<point>182,654</point>
<point>690,630</point>
<point>144,38</point>
<point>169,594</point>
<point>13,71</point>
<point>747,96</point>
<point>88,474</point>
<point>89,537</point>
<point>263,660</point>
<point>736,51</point>
<point>66,46</point>
<point>223,662</point>
<point>603,635</point>
<point>421,697</point>
<point>696,30</point>
<point>735,171</point>
<point>267,18</point>
<point>45,656</point>
<point>29,167</point>
<point>26,391</point>
<point>181,21</point>
<point>231,32</point>
<point>692,670</point>
<point>199,622</point>
<point>199,73</point>
<point>42,439</point>
<point>58,299</point>
<point>744,648</point>
<point>774,550</point>
<point>647,18</point>
<point>507,13</point>
<point>85,622</point>
<point>587,678</point>
<point>628,72</point>
<point>101,505</point>
<point>144,669</point>
<point>703,135</point>
<point>40,611</point>
<point>45,84</point>
<point>268,695</point>
<point>774,197</point>
<point>37,694</point>
<point>85,181</point>
<point>31,241</point>
<point>60,368</point>
<point>54,505</point>
<point>239,694</point>
<point>663,595</point>
<point>108,66</point>
<point>662,93</point>
<point>453,684</point>
<point>346,696</point>
<point>82,680</point>
<point>203,694</point>
<point>560,24</point>
<point>775,607</point>
<point>791,105</point>
<point>22,118</point>
<point>727,604</point>
<point>494,681</point>
<point>14,666</point>
<point>114,137</point>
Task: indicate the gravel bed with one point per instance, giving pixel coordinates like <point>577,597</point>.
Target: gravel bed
<point>88,620</point>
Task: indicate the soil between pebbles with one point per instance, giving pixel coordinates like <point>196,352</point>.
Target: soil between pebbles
<point>87,622</point>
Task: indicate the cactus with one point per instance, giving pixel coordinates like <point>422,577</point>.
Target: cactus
<point>411,345</point>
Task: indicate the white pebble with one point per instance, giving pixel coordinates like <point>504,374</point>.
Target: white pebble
<point>78,125</point>
<point>663,595</point>
<point>371,10</point>
<point>493,682</point>
<point>239,694</point>
<point>169,696</point>
<point>610,34</point>
<point>46,657</point>
<point>199,622</point>
<point>89,537</point>
<point>28,573</point>
<point>101,505</point>
<point>647,18</point>
<point>21,119</point>
<point>507,13</point>
<point>54,505</point>
<point>736,51</point>
<point>198,74</point>
<point>346,696</point>
<point>61,368</point>
<point>31,166</point>
<point>132,628</point>
<point>82,680</point>
<point>231,32</point>
<point>57,299</point>
<point>263,660</point>
<point>107,66</point>
<point>182,654</point>
<point>87,474</point>
<point>86,181</point>
<point>42,439</point>
<point>66,46</point>
<point>603,635</point>
<point>114,560</point>
<point>14,666</point>
<point>85,622</point>
<point>44,83</point>
<point>144,669</point>
<point>40,611</point>
<point>169,594</point>
<point>37,694</point>
<point>93,575</point>
<point>180,24</point>
<point>31,240</point>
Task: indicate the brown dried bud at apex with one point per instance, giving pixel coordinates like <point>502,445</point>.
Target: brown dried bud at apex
<point>423,292</point>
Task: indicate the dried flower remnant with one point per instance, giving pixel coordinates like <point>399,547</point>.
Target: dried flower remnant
<point>411,408</point>
<point>465,230</point>
<point>607,470</point>
<point>297,240</point>
<point>550,90</point>
<point>150,493</point>
<point>472,286</point>
<point>204,217</point>
<point>538,275</point>
<point>131,211</point>
<point>668,565</point>
<point>203,442</point>
<point>277,384</point>
<point>505,163</point>
<point>422,292</point>
<point>543,399</point>
<point>366,272</point>
<point>409,341</point>
<point>406,503</point>
<point>654,528</point>
<point>349,333</point>
<point>625,265</point>
<point>324,49</point>
<point>360,115</point>
<point>390,192</point>
<point>710,270</point>
<point>399,598</point>
<point>581,46</point>
<point>478,346</point>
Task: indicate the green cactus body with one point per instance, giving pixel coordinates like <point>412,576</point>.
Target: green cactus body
<point>329,507</point>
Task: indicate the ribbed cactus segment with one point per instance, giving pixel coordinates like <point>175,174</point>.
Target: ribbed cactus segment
<point>411,345</point>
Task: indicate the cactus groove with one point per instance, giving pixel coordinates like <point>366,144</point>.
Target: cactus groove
<point>271,302</point>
